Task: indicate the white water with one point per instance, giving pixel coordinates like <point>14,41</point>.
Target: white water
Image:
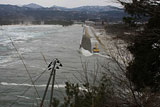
<point>54,42</point>
<point>40,86</point>
<point>88,53</point>
<point>30,85</point>
<point>85,52</point>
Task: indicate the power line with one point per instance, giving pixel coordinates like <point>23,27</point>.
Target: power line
<point>21,58</point>
<point>52,66</point>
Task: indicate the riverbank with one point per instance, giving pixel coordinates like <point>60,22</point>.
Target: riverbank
<point>114,47</point>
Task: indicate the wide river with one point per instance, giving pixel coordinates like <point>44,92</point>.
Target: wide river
<point>38,45</point>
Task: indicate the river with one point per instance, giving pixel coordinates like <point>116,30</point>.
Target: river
<point>38,45</point>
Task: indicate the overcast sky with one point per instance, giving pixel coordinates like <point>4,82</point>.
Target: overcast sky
<point>64,3</point>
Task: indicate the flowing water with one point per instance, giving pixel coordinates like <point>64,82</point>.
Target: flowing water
<point>38,45</point>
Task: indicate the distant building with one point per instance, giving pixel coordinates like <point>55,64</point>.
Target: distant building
<point>91,23</point>
<point>97,21</point>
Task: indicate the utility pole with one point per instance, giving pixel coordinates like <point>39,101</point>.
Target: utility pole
<point>53,65</point>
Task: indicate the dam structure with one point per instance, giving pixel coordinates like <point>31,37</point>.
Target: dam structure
<point>86,41</point>
<point>89,44</point>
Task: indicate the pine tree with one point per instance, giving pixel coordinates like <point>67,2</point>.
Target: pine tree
<point>144,70</point>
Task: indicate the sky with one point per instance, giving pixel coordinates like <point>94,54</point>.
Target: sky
<point>64,3</point>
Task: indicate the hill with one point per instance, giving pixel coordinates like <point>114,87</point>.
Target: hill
<point>33,6</point>
<point>33,12</point>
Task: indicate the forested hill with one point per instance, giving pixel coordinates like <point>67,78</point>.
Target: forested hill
<point>33,12</point>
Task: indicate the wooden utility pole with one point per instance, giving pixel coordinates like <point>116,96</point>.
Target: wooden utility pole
<point>52,66</point>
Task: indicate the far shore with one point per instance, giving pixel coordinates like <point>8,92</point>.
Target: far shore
<point>48,22</point>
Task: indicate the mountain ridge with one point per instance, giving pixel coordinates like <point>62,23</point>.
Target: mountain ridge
<point>13,13</point>
<point>79,8</point>
<point>33,6</point>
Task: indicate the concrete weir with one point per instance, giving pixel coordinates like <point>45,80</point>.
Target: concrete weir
<point>86,41</point>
